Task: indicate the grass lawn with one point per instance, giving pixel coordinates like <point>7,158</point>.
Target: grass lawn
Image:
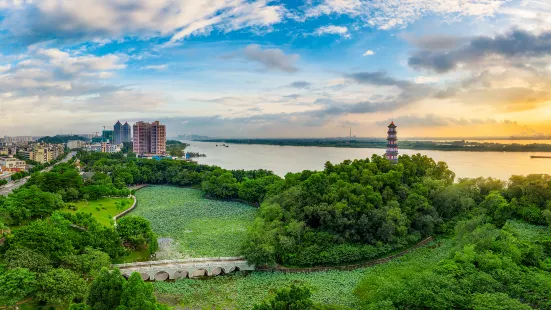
<point>103,209</point>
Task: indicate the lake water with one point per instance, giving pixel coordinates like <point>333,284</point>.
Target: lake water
<point>283,159</point>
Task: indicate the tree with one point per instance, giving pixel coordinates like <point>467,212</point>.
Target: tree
<point>32,202</point>
<point>105,291</point>
<point>16,284</point>
<point>89,263</point>
<point>221,185</point>
<point>138,295</point>
<point>136,232</point>
<point>71,194</point>
<point>260,246</point>
<point>4,229</point>
<point>59,286</point>
<point>497,208</point>
<point>27,258</point>
<point>547,215</point>
<point>289,298</point>
<point>42,237</point>
<point>497,301</point>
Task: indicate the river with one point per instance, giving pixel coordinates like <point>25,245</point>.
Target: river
<point>283,159</point>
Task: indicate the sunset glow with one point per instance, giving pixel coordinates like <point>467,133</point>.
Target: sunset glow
<point>257,68</point>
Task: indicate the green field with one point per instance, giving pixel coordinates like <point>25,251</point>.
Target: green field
<point>200,227</point>
<point>103,209</point>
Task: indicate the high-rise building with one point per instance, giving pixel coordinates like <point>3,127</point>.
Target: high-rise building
<point>149,138</point>
<point>142,137</point>
<point>117,133</point>
<point>158,138</point>
<point>391,146</point>
<point>126,132</point>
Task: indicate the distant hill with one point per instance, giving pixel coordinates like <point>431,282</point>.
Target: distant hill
<point>61,139</point>
<point>192,137</point>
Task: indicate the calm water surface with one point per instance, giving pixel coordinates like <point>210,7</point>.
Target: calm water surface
<point>283,159</point>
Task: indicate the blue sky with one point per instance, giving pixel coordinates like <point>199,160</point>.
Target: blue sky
<point>259,68</point>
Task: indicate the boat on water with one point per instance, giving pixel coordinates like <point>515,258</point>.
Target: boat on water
<point>535,156</point>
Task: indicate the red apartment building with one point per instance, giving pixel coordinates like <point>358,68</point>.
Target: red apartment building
<point>149,138</point>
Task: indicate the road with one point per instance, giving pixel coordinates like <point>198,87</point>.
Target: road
<point>11,186</point>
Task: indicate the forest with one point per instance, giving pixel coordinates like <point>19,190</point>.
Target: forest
<point>59,139</point>
<point>349,212</point>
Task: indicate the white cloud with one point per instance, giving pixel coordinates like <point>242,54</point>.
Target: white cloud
<point>46,72</point>
<point>155,67</point>
<point>5,68</point>
<point>384,14</point>
<point>532,15</point>
<point>426,79</point>
<point>347,7</point>
<point>368,53</point>
<point>35,21</point>
<point>332,29</point>
<point>272,58</point>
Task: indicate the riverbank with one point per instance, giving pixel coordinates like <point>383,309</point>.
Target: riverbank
<point>462,145</point>
<point>284,159</point>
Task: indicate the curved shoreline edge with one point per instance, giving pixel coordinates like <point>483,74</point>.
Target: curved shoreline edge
<point>125,212</point>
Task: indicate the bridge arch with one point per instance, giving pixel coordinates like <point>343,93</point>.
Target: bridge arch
<point>144,275</point>
<point>233,269</point>
<point>180,274</point>
<point>161,276</point>
<point>217,271</point>
<point>200,272</point>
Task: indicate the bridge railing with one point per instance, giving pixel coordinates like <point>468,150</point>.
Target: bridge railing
<point>179,261</point>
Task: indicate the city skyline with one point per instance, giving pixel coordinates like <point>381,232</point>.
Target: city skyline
<point>468,68</point>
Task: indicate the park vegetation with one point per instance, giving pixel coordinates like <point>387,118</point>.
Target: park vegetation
<point>496,252</point>
<point>51,255</point>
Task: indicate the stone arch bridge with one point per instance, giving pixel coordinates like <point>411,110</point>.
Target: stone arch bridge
<point>163,270</point>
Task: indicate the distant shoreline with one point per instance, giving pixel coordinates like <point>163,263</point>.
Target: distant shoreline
<point>462,145</point>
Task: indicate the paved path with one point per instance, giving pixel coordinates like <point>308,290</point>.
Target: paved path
<point>11,186</point>
<point>185,268</point>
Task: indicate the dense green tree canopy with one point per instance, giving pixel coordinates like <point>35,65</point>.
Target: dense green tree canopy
<point>136,232</point>
<point>105,291</point>
<point>16,284</point>
<point>60,286</point>
<point>138,295</point>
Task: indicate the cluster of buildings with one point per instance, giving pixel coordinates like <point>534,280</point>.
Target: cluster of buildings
<point>111,141</point>
<point>149,139</point>
<point>26,150</point>
<point>12,164</point>
<point>42,153</point>
<point>18,139</point>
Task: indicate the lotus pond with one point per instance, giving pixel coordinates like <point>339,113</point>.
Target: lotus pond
<point>196,226</point>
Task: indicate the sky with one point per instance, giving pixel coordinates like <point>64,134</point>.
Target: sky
<point>260,68</point>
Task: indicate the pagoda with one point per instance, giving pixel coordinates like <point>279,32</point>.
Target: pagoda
<point>391,146</point>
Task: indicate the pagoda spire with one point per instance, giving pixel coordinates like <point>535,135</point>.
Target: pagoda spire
<point>391,146</point>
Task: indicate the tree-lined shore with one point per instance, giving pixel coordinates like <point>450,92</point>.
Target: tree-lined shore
<point>459,145</point>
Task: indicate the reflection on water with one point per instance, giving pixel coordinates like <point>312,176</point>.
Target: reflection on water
<point>283,159</point>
